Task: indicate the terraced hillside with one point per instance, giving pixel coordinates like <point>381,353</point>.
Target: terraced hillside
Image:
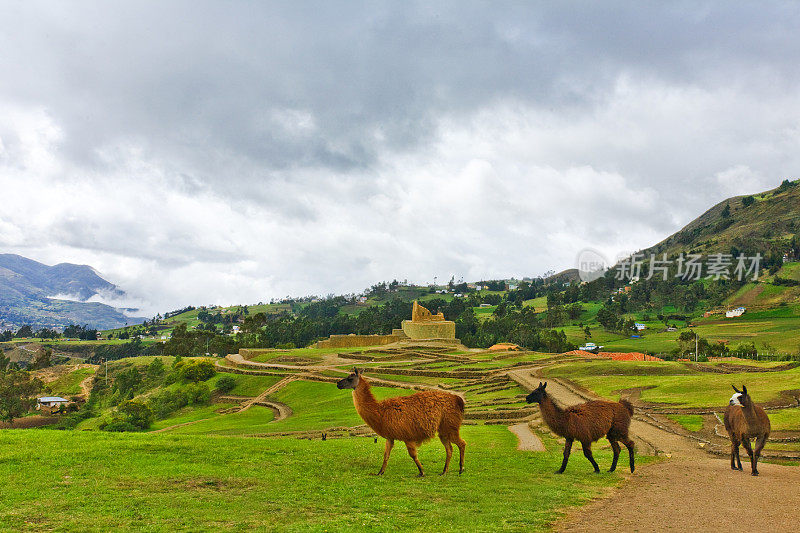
<point>308,452</point>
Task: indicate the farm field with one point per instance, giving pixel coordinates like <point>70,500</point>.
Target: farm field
<point>674,383</point>
<point>148,481</point>
<point>230,456</point>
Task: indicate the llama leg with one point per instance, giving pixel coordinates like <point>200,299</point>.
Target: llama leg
<point>753,465</point>
<point>386,452</point>
<point>567,449</point>
<point>616,448</point>
<point>587,452</point>
<point>412,451</point>
<point>462,448</point>
<point>449,449</point>
<point>629,444</point>
<point>757,452</point>
<point>735,455</point>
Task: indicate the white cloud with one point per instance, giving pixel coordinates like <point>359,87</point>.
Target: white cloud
<point>377,145</point>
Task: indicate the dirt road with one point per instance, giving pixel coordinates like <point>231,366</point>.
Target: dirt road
<point>528,440</point>
<point>688,490</point>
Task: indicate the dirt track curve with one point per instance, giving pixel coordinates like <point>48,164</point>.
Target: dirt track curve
<point>688,490</point>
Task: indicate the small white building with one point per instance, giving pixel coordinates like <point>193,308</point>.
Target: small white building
<point>50,403</point>
<point>639,326</point>
<point>739,311</point>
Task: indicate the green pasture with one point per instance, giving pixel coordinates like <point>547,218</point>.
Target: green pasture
<point>689,422</point>
<point>69,383</point>
<point>668,383</point>
<point>785,419</point>
<point>270,357</point>
<point>166,482</point>
<point>191,414</point>
<point>247,385</point>
<point>321,405</point>
<point>257,419</point>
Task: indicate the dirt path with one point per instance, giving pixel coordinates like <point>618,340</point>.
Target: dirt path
<point>700,494</point>
<point>528,440</point>
<point>86,387</point>
<point>281,409</point>
<point>261,398</point>
<point>688,490</point>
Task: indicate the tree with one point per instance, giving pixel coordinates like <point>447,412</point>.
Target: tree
<point>17,391</point>
<point>587,333</point>
<point>574,311</point>
<point>726,211</point>
<point>136,413</point>
<point>24,332</point>
<point>226,384</point>
<point>201,370</point>
<point>43,359</point>
<point>747,201</point>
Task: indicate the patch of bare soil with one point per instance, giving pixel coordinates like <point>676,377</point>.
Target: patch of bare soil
<point>528,440</point>
<point>696,493</point>
<point>35,421</point>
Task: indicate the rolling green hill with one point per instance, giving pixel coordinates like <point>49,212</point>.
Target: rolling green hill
<point>767,225</point>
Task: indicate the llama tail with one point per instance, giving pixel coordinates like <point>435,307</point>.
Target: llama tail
<point>460,403</point>
<point>627,405</point>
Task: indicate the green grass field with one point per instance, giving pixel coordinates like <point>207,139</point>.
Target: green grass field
<point>69,384</point>
<point>79,481</point>
<point>689,422</point>
<point>673,383</point>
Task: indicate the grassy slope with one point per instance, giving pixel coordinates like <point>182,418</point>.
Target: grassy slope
<point>167,482</point>
<point>672,383</point>
<point>69,384</point>
<point>762,221</point>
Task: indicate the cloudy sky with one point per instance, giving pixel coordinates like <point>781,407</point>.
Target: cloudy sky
<point>232,152</point>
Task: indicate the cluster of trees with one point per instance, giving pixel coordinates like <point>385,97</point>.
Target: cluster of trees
<point>80,332</point>
<point>17,390</point>
<point>70,332</point>
<point>135,413</point>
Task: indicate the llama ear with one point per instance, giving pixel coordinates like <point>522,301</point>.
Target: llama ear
<point>544,385</point>
<point>734,388</point>
<point>744,390</point>
<point>356,371</point>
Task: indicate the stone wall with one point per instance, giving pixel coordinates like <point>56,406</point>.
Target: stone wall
<point>444,329</point>
<point>353,341</point>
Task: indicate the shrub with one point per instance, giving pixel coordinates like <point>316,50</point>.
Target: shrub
<point>166,402</point>
<point>226,384</point>
<point>197,370</point>
<point>118,425</point>
<point>131,415</point>
<point>198,394</point>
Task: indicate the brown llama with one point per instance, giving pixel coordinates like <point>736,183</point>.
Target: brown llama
<point>412,419</point>
<point>586,423</point>
<point>744,420</point>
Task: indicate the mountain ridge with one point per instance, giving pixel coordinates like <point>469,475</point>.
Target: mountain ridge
<point>28,288</point>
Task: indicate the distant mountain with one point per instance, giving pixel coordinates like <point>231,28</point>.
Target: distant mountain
<point>768,222</point>
<point>56,296</point>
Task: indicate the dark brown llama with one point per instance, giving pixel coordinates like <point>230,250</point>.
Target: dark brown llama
<point>587,423</point>
<point>744,420</point>
<point>412,419</point>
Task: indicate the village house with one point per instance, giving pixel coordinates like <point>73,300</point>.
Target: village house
<point>739,311</point>
<point>51,404</point>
